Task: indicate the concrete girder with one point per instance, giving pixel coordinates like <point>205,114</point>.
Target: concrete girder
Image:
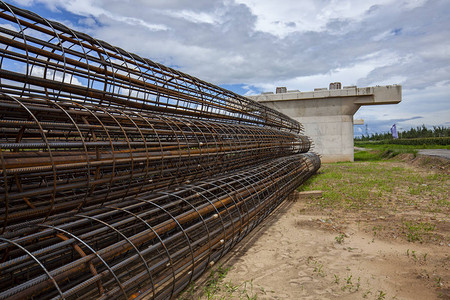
<point>327,115</point>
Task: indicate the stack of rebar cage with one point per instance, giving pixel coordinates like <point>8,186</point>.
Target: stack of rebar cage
<point>123,178</point>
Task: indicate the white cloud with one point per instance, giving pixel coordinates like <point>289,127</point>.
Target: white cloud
<point>57,76</point>
<point>348,75</point>
<point>192,16</point>
<point>24,2</point>
<point>429,106</point>
<point>9,26</point>
<point>261,44</point>
<point>286,16</point>
<point>94,9</point>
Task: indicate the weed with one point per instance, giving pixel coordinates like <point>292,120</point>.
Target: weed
<point>376,228</point>
<point>319,270</point>
<point>349,284</point>
<point>340,238</point>
<point>415,231</point>
<point>413,254</point>
<point>213,283</point>
<point>438,281</point>
<point>336,279</point>
<point>215,288</point>
<point>349,280</point>
<point>366,293</point>
<point>231,288</point>
<point>367,185</point>
<point>381,146</point>
<point>381,295</point>
<point>367,156</point>
<point>245,292</point>
<point>263,291</point>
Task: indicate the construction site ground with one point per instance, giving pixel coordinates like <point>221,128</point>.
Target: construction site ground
<point>379,231</point>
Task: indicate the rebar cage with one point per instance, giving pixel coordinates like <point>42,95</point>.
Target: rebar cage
<point>121,177</point>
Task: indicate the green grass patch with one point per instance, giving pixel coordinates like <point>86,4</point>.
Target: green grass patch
<point>383,145</point>
<point>377,185</point>
<point>367,155</point>
<point>216,287</point>
<point>415,231</point>
<point>380,152</point>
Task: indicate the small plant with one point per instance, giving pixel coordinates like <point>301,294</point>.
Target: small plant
<point>415,231</point>
<point>438,281</point>
<point>263,290</point>
<point>319,269</point>
<point>214,280</point>
<point>230,288</point>
<point>349,284</point>
<point>377,228</point>
<point>413,254</point>
<point>336,279</point>
<point>349,280</point>
<point>245,292</point>
<point>366,294</point>
<point>381,295</point>
<point>340,238</point>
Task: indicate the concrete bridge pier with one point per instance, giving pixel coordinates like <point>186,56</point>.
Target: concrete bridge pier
<point>327,114</point>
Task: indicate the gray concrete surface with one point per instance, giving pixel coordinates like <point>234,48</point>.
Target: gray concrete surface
<point>327,115</point>
<point>445,153</point>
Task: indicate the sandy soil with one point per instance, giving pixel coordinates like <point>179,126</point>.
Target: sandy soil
<point>304,253</point>
<point>296,256</point>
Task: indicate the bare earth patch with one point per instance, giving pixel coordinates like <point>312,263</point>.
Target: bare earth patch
<point>380,231</point>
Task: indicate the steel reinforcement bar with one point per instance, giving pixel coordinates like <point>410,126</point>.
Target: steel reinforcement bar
<point>123,178</point>
<point>57,156</point>
<point>148,245</point>
<point>43,58</point>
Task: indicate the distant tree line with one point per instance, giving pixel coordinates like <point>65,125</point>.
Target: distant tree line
<point>413,133</point>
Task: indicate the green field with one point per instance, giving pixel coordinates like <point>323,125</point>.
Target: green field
<point>369,185</point>
<point>381,145</point>
<point>374,151</point>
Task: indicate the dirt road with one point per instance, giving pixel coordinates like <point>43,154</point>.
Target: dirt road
<point>445,153</point>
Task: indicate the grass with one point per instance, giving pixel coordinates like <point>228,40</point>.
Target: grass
<point>372,184</point>
<point>376,152</point>
<point>381,295</point>
<point>380,189</point>
<point>213,285</point>
<point>382,153</point>
<point>216,288</point>
<point>367,156</point>
<point>369,190</point>
<point>377,146</point>
<point>340,238</point>
<point>415,231</point>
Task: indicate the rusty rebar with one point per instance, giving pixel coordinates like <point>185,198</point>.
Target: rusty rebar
<point>48,59</point>
<point>123,178</point>
<point>152,243</point>
<point>63,155</point>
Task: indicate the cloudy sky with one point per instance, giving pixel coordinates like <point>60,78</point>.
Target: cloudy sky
<point>252,46</point>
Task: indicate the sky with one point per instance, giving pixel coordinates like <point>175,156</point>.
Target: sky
<point>253,46</point>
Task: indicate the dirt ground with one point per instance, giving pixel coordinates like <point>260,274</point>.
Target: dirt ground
<point>301,252</point>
